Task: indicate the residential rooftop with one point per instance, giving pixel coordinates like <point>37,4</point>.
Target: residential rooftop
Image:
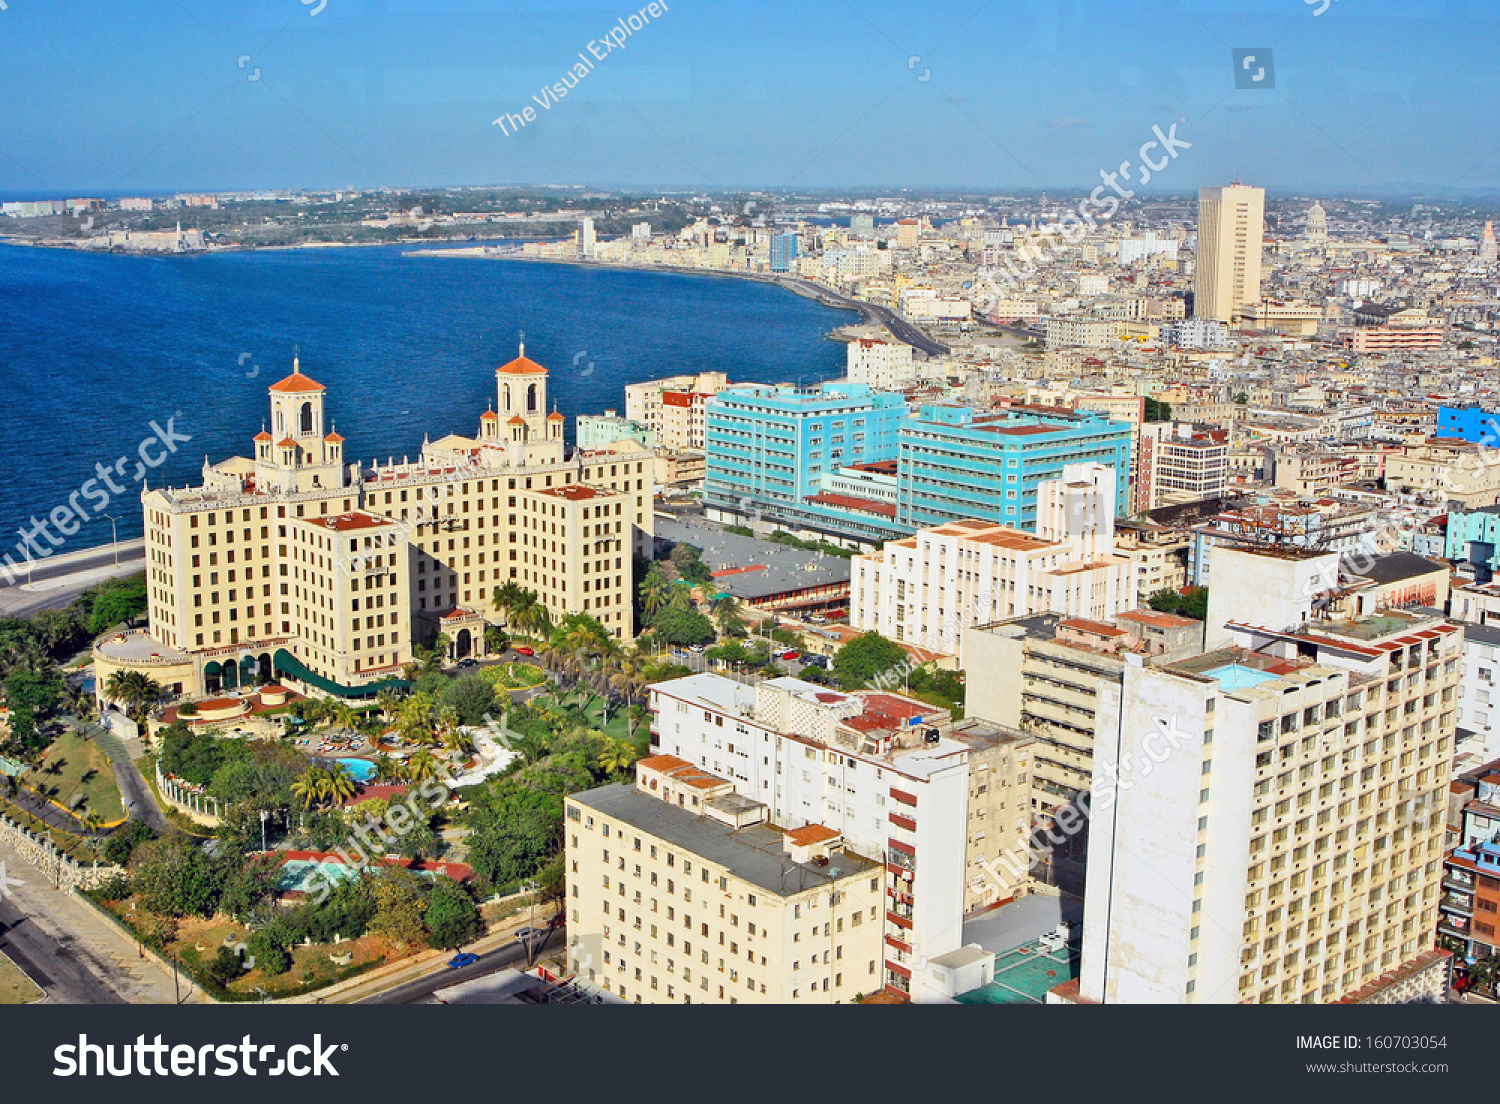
<point>756,854</point>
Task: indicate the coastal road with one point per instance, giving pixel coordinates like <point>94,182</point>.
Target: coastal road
<point>901,329</point>
<point>421,990</point>
<point>54,582</point>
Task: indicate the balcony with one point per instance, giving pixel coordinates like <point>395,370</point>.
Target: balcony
<point>1457,902</point>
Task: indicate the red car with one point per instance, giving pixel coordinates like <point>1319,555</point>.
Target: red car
<point>523,650</point>
<point>790,655</point>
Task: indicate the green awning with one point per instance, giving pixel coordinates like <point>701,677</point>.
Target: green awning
<point>248,663</point>
<point>212,667</point>
<point>290,665</point>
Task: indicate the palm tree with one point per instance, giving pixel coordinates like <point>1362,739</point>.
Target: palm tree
<point>447,720</point>
<point>616,756</point>
<point>510,598</point>
<point>311,786</point>
<point>727,613</point>
<point>456,739</point>
<point>534,620</point>
<point>91,822</point>
<point>343,715</point>
<point>387,701</point>
<point>340,786</point>
<point>421,766</point>
<point>387,769</point>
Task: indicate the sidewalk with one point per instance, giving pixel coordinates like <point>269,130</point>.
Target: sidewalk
<point>67,920</point>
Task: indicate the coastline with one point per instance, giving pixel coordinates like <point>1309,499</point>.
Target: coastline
<point>872,313</point>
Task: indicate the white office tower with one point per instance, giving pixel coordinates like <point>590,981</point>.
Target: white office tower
<point>1267,816</point>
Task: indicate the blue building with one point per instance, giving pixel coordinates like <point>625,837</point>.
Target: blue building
<point>767,448</point>
<point>955,463</point>
<point>1469,423</point>
<point>1473,536</point>
<point>783,251</point>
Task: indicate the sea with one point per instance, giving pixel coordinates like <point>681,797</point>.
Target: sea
<point>150,366</point>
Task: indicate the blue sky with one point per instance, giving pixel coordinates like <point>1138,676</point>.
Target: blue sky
<point>106,97</point>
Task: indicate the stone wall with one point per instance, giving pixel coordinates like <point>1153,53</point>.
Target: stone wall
<point>38,851</point>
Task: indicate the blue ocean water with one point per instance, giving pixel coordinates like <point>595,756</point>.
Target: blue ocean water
<point>95,348</point>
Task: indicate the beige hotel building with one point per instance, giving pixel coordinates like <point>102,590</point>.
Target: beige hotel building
<point>295,564</point>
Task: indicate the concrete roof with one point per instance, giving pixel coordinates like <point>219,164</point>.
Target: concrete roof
<point>753,854</point>
<point>760,568</point>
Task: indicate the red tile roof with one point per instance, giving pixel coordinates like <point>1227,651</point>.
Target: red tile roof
<point>297,383</point>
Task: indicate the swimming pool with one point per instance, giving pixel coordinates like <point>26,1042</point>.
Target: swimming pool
<point>1235,676</point>
<point>361,770</point>
<point>299,875</point>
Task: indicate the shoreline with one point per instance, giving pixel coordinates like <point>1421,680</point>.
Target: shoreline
<point>872,313</point>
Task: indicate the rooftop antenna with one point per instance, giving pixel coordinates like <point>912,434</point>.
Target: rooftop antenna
<point>523,342</point>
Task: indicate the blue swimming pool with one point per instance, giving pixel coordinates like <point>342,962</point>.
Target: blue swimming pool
<point>361,770</point>
<point>1234,676</point>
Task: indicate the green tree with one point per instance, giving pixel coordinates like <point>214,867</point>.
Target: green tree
<point>470,697</point>
<point>1158,411</point>
<point>678,625</point>
<point>173,877</point>
<point>400,897</point>
<point>452,918</point>
<point>866,657</point>
<point>269,952</point>
<point>125,839</point>
<point>1191,602</point>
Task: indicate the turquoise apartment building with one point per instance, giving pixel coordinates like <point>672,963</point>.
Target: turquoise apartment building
<point>768,446</point>
<point>954,462</point>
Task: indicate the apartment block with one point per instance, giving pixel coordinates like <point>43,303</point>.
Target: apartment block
<point>1258,810</point>
<point>927,588</point>
<point>1231,230</point>
<point>1176,465</point>
<point>673,408</point>
<point>883,365</point>
<point>882,770</point>
<point>767,447</point>
<point>1469,909</point>
<point>958,464</point>
<point>681,891</point>
<point>1041,674</point>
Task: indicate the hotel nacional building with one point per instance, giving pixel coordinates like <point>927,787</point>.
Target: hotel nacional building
<point>297,565</point>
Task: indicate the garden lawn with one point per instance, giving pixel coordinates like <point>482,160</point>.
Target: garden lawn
<point>15,986</point>
<point>85,770</point>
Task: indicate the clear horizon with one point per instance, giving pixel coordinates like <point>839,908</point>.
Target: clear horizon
<point>1373,97</point>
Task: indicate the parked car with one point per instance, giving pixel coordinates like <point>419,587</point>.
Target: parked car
<point>818,661</point>
<point>521,649</point>
<point>695,647</point>
<point>526,935</point>
<point>789,655</point>
<point>469,662</point>
<point>459,961</point>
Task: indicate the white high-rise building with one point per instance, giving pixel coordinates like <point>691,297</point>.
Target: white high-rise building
<point>586,237</point>
<point>1231,228</point>
<point>1267,817</point>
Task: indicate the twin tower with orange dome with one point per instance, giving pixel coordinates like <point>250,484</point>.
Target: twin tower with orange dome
<point>299,451</point>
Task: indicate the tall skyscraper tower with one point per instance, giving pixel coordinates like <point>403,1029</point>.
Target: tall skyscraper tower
<point>586,237</point>
<point>1487,244</point>
<point>1231,226</point>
